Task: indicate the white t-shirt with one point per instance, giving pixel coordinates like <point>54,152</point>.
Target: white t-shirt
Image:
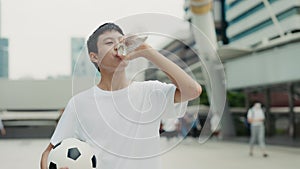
<point>122,125</point>
<point>256,113</point>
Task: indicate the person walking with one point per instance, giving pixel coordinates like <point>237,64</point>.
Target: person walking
<point>256,117</point>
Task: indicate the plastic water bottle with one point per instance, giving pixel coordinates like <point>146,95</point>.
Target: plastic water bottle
<point>130,44</point>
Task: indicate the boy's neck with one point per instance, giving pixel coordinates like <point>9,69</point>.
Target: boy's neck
<point>111,82</point>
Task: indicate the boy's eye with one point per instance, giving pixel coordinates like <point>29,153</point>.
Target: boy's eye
<point>108,43</point>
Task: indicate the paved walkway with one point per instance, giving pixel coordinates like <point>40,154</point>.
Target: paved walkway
<point>25,154</point>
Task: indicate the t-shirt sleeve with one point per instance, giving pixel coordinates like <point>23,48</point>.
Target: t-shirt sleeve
<point>171,109</point>
<point>249,114</point>
<point>66,125</point>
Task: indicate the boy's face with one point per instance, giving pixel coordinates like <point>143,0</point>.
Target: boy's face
<point>107,56</point>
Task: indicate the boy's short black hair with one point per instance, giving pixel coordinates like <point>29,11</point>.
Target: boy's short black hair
<point>93,39</point>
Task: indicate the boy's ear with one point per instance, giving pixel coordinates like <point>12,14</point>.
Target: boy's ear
<point>93,57</point>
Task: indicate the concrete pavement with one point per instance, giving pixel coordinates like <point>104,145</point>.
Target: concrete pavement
<point>25,154</point>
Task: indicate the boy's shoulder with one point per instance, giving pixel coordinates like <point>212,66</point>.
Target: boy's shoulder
<point>84,93</point>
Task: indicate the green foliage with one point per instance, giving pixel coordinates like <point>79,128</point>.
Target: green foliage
<point>204,97</point>
<point>236,98</point>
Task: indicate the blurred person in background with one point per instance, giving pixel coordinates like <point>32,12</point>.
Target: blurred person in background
<point>190,125</point>
<point>215,127</point>
<point>2,129</point>
<point>170,128</point>
<point>256,118</point>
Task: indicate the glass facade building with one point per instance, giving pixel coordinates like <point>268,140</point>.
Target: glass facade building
<point>252,23</point>
<point>3,58</point>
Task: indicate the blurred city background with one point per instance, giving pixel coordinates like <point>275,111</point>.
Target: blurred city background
<point>42,65</point>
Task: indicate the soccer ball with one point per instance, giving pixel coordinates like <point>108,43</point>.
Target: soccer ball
<point>72,153</point>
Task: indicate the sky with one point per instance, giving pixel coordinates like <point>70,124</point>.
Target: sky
<point>39,31</point>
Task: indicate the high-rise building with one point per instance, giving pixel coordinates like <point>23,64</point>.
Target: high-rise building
<point>256,22</point>
<point>3,58</point>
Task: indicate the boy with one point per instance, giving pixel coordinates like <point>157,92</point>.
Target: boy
<point>118,117</point>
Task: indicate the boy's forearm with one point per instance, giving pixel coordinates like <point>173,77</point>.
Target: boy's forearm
<point>43,163</point>
<point>188,87</point>
<point>44,158</point>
